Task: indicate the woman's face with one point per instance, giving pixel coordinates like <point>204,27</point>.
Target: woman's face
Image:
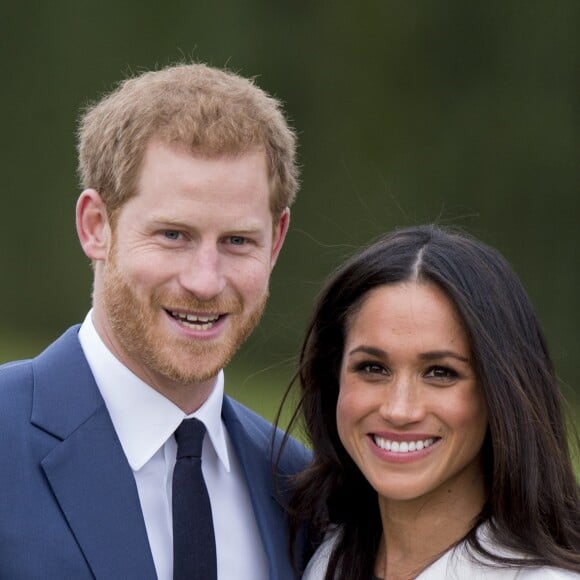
<point>410,412</point>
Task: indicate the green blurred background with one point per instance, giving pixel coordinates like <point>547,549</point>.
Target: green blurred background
<point>466,113</point>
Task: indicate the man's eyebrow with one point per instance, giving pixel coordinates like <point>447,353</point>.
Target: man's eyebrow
<point>174,221</point>
<point>165,221</point>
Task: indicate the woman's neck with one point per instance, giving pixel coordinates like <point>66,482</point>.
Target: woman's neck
<point>417,532</point>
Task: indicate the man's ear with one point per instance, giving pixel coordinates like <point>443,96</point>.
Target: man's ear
<point>93,225</point>
<point>280,231</point>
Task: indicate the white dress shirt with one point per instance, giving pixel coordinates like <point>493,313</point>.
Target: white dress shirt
<point>145,422</point>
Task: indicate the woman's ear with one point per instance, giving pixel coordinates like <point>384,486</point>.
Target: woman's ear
<point>93,225</point>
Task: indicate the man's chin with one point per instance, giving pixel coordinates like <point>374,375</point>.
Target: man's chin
<point>188,362</point>
<point>190,369</point>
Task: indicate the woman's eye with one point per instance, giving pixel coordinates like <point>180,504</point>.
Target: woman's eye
<point>371,368</point>
<point>441,373</point>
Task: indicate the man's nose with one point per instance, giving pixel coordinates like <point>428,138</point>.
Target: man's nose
<point>203,274</point>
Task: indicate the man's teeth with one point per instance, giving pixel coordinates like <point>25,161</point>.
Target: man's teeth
<point>403,446</point>
<point>196,321</point>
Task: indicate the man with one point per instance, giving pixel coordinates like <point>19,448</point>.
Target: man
<point>188,175</point>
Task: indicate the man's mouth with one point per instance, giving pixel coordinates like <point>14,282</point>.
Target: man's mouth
<point>196,321</point>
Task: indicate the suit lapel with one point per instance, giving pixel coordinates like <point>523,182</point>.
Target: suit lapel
<point>252,448</point>
<point>87,469</point>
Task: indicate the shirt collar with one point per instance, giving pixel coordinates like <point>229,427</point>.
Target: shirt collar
<point>143,418</point>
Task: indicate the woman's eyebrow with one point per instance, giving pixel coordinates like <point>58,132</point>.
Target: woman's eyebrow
<point>437,354</point>
<point>371,350</point>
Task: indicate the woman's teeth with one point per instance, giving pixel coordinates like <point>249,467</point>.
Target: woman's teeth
<point>403,446</point>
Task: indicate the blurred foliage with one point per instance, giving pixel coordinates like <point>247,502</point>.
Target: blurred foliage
<point>466,113</point>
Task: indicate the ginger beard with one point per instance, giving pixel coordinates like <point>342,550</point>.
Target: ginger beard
<point>142,334</point>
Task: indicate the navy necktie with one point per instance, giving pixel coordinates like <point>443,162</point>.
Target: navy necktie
<point>194,552</point>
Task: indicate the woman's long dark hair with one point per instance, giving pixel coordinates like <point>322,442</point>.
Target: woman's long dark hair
<point>532,497</point>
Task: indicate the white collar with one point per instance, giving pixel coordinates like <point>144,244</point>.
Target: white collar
<point>143,418</point>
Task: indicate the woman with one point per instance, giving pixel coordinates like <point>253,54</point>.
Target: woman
<point>440,447</point>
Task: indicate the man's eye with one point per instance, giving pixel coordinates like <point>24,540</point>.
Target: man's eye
<point>171,234</point>
<point>237,240</point>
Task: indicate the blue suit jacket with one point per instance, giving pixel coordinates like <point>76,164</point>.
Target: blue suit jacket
<point>69,507</point>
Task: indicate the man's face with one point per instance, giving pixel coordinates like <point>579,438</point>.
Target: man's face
<point>185,279</point>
